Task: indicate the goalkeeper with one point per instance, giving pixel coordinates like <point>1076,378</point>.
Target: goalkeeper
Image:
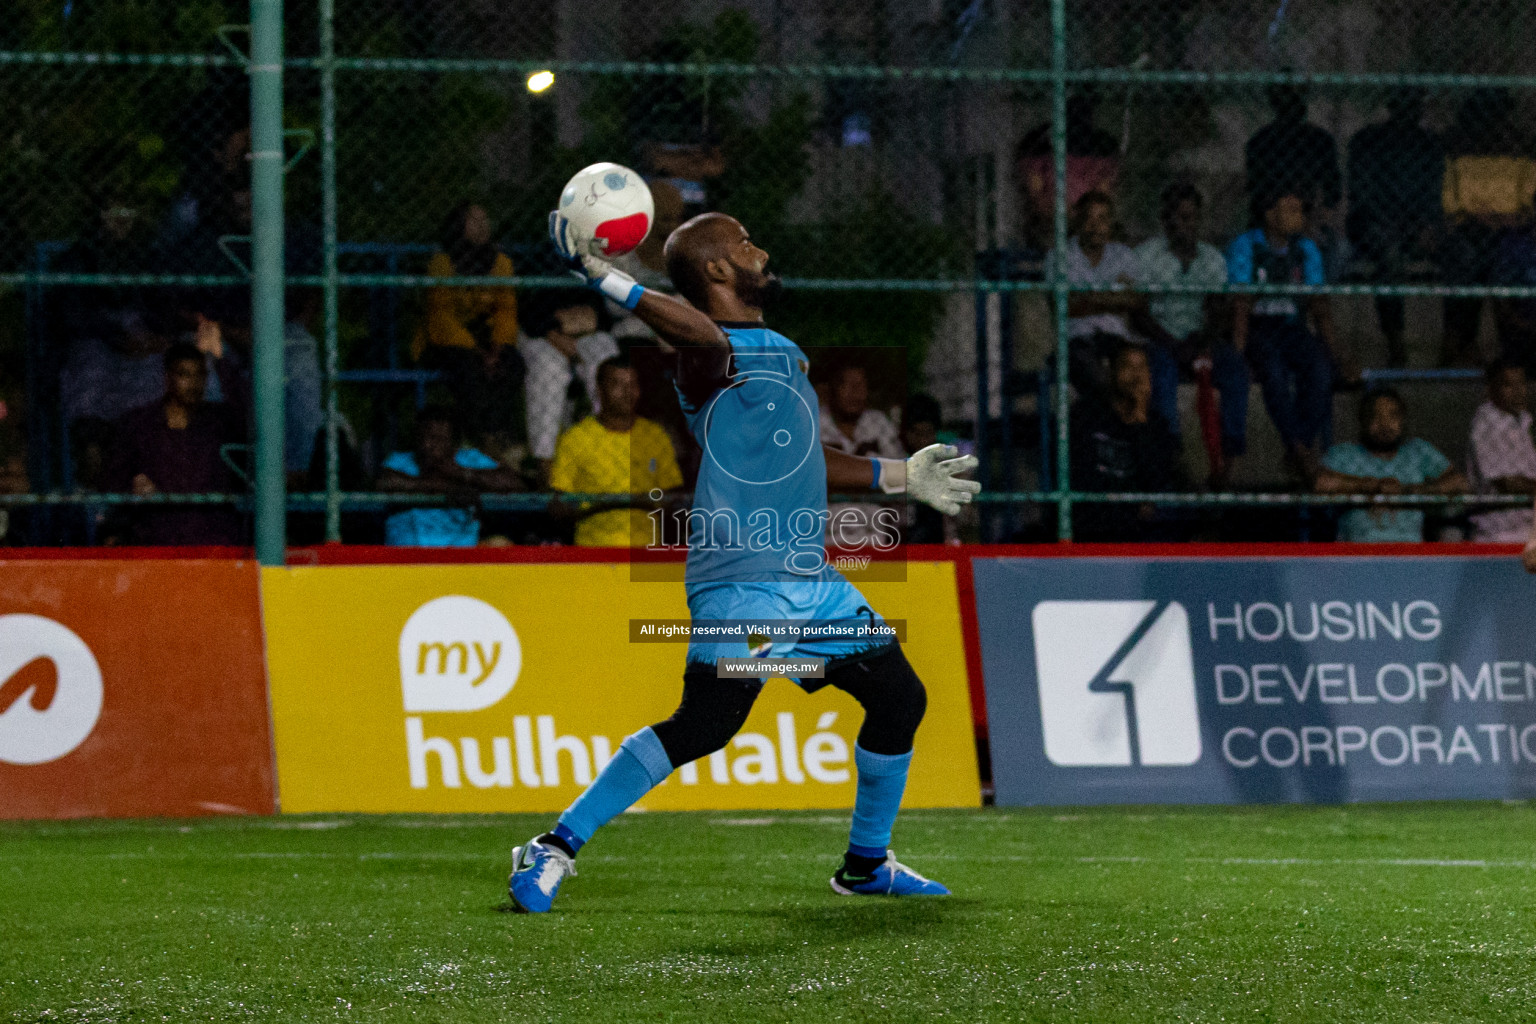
<point>756,551</point>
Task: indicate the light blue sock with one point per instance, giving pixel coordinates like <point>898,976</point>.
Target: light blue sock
<point>882,780</point>
<point>639,767</point>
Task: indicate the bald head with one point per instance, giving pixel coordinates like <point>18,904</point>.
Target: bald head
<point>715,266</point>
<point>693,246</point>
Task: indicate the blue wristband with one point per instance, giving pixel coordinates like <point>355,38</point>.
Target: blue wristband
<point>875,484</point>
<point>621,288</point>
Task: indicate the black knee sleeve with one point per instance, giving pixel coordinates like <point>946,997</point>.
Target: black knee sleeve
<point>711,712</point>
<point>893,698</point>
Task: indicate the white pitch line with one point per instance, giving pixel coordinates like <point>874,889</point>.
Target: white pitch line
<point>1382,862</point>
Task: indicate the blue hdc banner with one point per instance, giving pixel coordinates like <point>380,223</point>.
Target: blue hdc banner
<point>1219,680</point>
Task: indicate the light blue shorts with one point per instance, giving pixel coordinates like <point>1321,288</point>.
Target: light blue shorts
<point>835,620</point>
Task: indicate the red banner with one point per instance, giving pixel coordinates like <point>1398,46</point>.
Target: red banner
<point>132,688</point>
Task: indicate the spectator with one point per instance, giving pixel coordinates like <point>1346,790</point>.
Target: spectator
<point>439,465</point>
<point>614,452</point>
<point>1119,443</point>
<point>1099,321</point>
<point>212,136</point>
<point>1291,156</point>
<point>217,187</point>
<point>1514,263</point>
<point>1395,173</point>
<point>111,339</point>
<point>921,418</point>
<point>471,333</point>
<point>176,445</point>
<point>215,244</point>
<point>1489,181</point>
<point>561,387</point>
<point>226,342</point>
<point>850,425</point>
<point>1385,462</point>
<point>304,415</point>
<point>1093,165</point>
<point>1179,257</point>
<point>207,229</point>
<point>207,225</point>
<point>1294,365</point>
<point>1501,458</point>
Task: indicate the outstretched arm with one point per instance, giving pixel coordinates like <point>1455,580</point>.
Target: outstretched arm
<point>849,472</point>
<point>932,475</point>
<point>676,322</point>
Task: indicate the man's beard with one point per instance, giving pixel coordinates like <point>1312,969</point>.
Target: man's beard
<point>757,289</point>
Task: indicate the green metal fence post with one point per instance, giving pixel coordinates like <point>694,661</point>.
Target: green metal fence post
<point>266,71</point>
<point>1059,264</point>
<point>328,255</point>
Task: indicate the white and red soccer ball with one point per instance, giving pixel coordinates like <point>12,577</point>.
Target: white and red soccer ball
<point>609,209</point>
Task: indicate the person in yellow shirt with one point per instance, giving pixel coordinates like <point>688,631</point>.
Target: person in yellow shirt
<point>471,333</point>
<point>614,452</point>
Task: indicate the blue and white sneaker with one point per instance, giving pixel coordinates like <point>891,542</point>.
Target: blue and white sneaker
<point>537,871</point>
<point>892,878</point>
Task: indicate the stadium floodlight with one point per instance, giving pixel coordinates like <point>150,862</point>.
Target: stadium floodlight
<point>540,81</point>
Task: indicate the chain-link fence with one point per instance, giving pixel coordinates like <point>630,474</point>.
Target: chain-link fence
<point>1366,168</point>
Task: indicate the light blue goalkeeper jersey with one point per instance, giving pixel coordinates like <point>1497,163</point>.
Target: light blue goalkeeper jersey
<point>760,505</point>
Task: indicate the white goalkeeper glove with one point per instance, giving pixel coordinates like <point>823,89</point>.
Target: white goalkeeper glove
<point>932,476</point>
<point>595,271</point>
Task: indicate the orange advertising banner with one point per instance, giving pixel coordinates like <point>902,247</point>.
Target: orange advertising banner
<point>131,688</point>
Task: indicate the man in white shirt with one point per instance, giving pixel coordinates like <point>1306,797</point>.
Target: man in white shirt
<point>1501,458</point>
<point>1179,257</point>
<point>850,425</point>
<point>1098,321</point>
<point>563,361</point>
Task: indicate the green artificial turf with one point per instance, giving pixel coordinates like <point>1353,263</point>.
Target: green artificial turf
<point>1381,913</point>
